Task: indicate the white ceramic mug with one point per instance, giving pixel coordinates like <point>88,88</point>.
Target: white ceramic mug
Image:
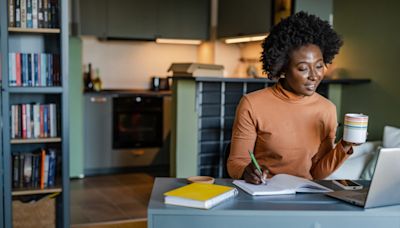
<point>355,128</point>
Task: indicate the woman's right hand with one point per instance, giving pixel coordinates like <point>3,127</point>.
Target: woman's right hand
<point>253,176</point>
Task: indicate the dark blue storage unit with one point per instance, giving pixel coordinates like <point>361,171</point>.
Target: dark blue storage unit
<point>216,106</point>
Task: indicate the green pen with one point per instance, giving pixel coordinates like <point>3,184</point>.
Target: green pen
<point>253,159</point>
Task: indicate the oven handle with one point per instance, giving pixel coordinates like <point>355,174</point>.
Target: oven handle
<point>98,99</point>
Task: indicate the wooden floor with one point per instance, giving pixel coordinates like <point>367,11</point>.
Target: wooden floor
<point>110,201</point>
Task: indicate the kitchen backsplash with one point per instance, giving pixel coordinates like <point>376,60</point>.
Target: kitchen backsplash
<point>131,64</point>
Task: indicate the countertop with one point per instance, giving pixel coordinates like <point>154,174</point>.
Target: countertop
<point>140,92</point>
<point>266,80</point>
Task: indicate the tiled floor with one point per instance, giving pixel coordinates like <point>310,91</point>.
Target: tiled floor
<point>112,198</point>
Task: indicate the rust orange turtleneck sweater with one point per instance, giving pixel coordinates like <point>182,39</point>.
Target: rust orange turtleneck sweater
<point>288,133</point>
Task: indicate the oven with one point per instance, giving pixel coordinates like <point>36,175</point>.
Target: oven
<point>137,121</point>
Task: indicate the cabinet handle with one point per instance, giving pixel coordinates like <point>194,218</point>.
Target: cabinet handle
<point>98,99</point>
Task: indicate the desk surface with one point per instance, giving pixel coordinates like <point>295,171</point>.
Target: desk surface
<point>302,207</point>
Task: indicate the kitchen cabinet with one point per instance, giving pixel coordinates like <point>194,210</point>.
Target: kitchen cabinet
<point>145,19</point>
<point>132,19</point>
<point>322,9</point>
<point>241,18</point>
<point>183,19</point>
<point>93,15</point>
<point>97,133</point>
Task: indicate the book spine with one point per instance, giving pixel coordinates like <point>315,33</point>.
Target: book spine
<point>45,121</point>
<point>40,14</point>
<point>29,14</point>
<point>21,171</point>
<point>17,13</point>
<point>32,74</point>
<point>50,70</point>
<point>42,168</point>
<point>41,114</point>
<point>35,69</point>
<point>24,69</point>
<point>18,68</point>
<point>34,13</point>
<point>13,121</point>
<point>11,11</point>
<point>16,171</point>
<point>27,170</point>
<point>53,120</point>
<point>24,124</point>
<point>46,170</point>
<point>52,168</point>
<point>19,119</point>
<point>37,171</point>
<point>23,13</point>
<point>28,121</point>
<point>43,69</point>
<point>45,14</point>
<point>29,69</point>
<point>11,68</point>
<point>36,120</point>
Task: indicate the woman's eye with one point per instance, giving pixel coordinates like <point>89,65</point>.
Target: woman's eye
<point>302,68</point>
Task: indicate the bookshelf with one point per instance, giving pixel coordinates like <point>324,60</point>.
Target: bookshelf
<point>34,103</point>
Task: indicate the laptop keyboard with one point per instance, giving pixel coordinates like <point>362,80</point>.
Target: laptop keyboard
<point>358,194</point>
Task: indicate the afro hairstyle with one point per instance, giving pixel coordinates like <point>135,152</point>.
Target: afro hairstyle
<point>293,32</point>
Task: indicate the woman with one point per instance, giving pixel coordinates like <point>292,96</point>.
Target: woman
<point>289,126</point>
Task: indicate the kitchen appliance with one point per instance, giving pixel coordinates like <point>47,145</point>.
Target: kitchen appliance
<point>159,83</point>
<point>137,122</point>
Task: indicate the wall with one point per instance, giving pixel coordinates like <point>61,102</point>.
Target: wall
<point>371,47</point>
<point>131,64</point>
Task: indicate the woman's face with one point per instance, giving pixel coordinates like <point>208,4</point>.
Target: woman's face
<point>304,71</point>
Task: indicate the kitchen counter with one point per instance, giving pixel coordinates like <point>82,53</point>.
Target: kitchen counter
<point>345,81</point>
<point>141,92</point>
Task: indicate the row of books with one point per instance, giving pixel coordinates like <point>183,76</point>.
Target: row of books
<point>33,13</point>
<point>33,121</point>
<point>35,170</point>
<point>34,69</point>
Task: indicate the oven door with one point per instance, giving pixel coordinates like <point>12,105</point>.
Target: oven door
<point>137,122</point>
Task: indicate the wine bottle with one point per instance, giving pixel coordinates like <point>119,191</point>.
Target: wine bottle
<point>88,82</point>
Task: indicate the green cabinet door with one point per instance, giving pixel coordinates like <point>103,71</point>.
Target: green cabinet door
<point>243,17</point>
<point>92,17</point>
<point>183,19</point>
<point>322,9</point>
<point>132,19</point>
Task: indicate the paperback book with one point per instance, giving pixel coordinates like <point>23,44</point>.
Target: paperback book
<point>199,195</point>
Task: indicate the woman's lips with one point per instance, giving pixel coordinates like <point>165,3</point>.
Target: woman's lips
<point>310,87</point>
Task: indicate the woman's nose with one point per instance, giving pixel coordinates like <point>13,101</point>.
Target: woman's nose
<point>314,75</point>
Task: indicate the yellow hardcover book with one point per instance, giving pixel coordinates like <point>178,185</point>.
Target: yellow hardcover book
<point>199,195</point>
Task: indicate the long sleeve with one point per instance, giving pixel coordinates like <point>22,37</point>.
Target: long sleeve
<point>243,139</point>
<point>328,159</point>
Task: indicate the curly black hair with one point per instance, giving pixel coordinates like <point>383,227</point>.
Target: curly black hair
<point>293,32</point>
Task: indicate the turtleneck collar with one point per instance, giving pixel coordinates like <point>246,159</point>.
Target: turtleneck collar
<point>286,95</point>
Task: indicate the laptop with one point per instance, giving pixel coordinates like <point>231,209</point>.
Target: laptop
<point>385,183</point>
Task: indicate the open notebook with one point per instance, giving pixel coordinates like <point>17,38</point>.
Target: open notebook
<point>282,184</point>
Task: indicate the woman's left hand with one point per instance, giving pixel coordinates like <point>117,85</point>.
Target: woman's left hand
<point>347,146</point>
